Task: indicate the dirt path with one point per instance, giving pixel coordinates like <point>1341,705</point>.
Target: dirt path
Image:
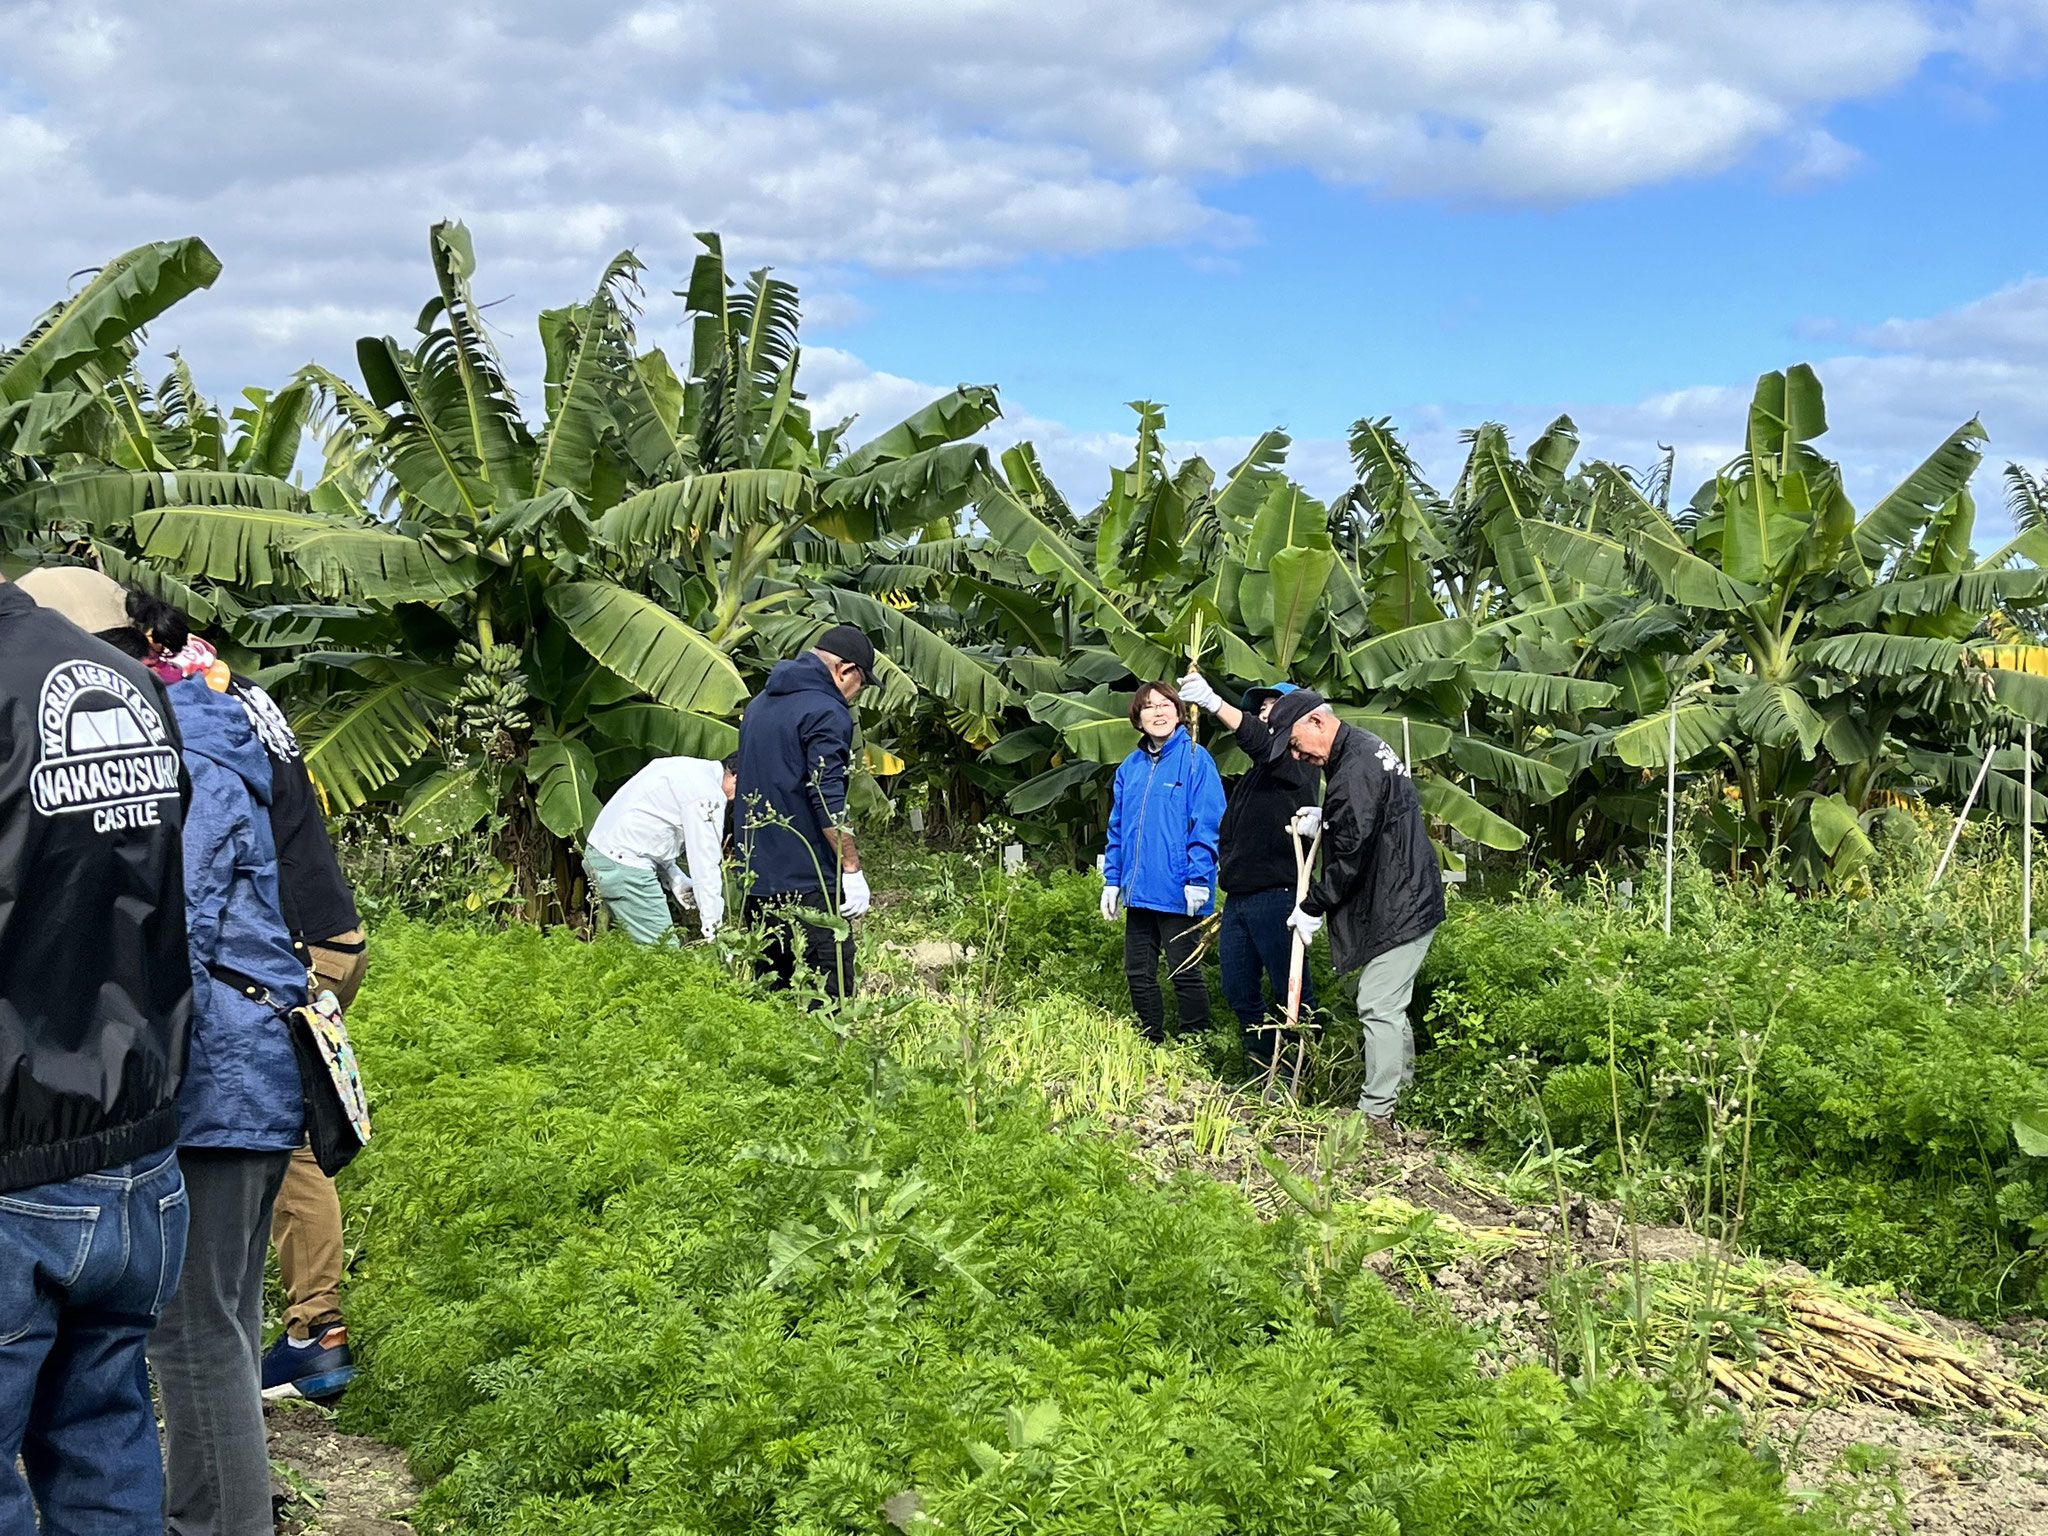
<point>339,1485</point>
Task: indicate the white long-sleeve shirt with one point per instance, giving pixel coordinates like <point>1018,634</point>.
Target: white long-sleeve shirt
<point>674,807</point>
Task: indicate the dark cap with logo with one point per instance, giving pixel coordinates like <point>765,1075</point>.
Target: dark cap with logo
<point>1287,709</point>
<point>849,644</point>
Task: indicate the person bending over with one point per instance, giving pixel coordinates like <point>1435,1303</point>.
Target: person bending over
<point>668,817</point>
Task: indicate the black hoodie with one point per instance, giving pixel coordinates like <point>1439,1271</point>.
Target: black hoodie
<point>95,989</point>
<point>1381,886</point>
<point>796,740</point>
<point>1257,852</point>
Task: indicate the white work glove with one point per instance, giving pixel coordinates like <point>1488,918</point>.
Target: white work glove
<point>1110,894</point>
<point>685,893</point>
<point>853,893</point>
<point>1196,895</point>
<point>1195,689</point>
<point>1305,925</point>
<point>1307,820</point>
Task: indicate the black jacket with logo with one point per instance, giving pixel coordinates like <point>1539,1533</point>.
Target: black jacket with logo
<point>1381,886</point>
<point>1257,853</point>
<point>95,988</point>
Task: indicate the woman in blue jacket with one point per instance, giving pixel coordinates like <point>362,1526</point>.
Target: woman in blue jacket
<point>1161,863</point>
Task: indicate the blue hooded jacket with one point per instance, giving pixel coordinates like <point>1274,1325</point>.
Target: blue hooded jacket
<point>1163,824</point>
<point>241,1086</point>
<point>796,740</point>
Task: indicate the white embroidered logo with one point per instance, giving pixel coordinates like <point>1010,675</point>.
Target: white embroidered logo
<point>1391,761</point>
<point>269,723</point>
<point>104,749</point>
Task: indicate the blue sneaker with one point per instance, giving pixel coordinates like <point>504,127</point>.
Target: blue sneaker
<point>317,1368</point>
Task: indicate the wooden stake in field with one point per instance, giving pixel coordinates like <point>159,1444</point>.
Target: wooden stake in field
<point>2027,846</point>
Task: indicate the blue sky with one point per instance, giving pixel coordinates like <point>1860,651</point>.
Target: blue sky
<point>1259,213</point>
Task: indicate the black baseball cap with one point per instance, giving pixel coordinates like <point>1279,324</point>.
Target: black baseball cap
<point>1255,698</point>
<point>1287,709</point>
<point>849,644</point>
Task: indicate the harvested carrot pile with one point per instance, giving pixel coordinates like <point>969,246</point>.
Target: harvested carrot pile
<point>1826,1352</point>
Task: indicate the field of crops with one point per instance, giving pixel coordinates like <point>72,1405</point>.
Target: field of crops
<point>637,1249</point>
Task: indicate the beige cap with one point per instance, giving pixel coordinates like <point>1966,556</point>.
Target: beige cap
<point>87,598</point>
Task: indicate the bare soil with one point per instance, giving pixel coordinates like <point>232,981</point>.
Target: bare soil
<point>336,1484</point>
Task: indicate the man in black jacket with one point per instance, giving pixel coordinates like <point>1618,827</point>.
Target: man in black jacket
<point>1255,863</point>
<point>1381,889</point>
<point>789,803</point>
<point>95,1007</point>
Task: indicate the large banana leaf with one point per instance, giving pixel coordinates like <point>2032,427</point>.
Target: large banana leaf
<point>1096,725</point>
<point>1245,488</point>
<point>668,517</point>
<point>1894,521</point>
<point>1288,518</point>
<point>249,546</point>
<point>666,732</point>
<point>1587,557</point>
<point>648,646</point>
<point>1688,579</point>
<point>1035,794</point>
<point>379,567</point>
<point>1966,590</point>
<point>123,296</point>
<point>951,418</point>
<point>564,775</point>
<point>1526,776</point>
<point>1016,527</point>
<point>1776,714</point>
<point>1542,693</point>
<point>358,744</point>
<point>447,803</point>
<point>1451,805</point>
<point>587,359</point>
<point>1647,742</point>
<point>1382,656</point>
<point>1298,578</point>
<point>102,500</point>
<point>898,495</point>
<point>1873,653</point>
<point>938,665</point>
<point>1424,739</point>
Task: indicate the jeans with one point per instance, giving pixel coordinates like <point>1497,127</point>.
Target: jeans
<point>1146,935</point>
<point>86,1264</point>
<point>1386,1039</point>
<point>1255,938</point>
<point>634,898</point>
<point>208,1350</point>
<point>830,959</point>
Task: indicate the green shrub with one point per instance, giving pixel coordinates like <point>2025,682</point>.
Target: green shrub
<point>587,1157</point>
<point>1892,1068</point>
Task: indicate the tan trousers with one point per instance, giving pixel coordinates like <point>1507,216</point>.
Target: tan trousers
<point>305,1223</point>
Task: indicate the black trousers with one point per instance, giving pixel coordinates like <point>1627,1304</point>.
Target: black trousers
<point>829,958</point>
<point>1148,935</point>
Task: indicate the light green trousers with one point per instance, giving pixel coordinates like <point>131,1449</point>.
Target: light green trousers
<point>634,898</point>
<point>1387,1040</point>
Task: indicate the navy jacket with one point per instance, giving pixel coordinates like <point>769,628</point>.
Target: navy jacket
<point>1162,826</point>
<point>241,1085</point>
<point>796,740</point>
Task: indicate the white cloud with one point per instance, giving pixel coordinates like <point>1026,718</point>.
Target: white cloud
<point>312,145</point>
